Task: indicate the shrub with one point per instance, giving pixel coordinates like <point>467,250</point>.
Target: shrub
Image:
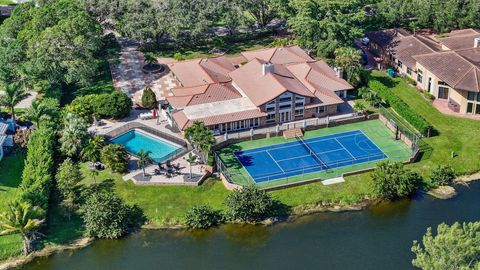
<point>249,204</point>
<point>149,99</point>
<point>115,105</point>
<point>202,217</point>
<point>392,181</point>
<point>428,95</point>
<point>115,157</point>
<point>401,107</point>
<point>67,177</point>
<point>73,135</point>
<point>410,81</point>
<point>442,175</point>
<point>105,215</point>
<point>179,56</point>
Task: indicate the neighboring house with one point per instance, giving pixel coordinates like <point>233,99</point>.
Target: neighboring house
<point>3,138</point>
<point>274,86</point>
<point>447,66</point>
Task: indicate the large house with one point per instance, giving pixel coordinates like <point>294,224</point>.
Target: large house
<point>271,87</point>
<point>447,66</point>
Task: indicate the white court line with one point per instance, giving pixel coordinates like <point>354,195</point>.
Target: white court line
<point>326,152</point>
<point>294,145</point>
<point>346,149</point>
<point>278,165</point>
<point>374,143</point>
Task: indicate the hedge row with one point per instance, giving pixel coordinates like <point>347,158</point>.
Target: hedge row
<point>417,121</point>
<point>37,177</point>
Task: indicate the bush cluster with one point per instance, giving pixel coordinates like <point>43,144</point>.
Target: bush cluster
<point>105,215</point>
<point>113,105</point>
<point>115,157</point>
<point>202,217</point>
<point>401,107</point>
<point>37,177</point>
<point>249,204</point>
<point>393,181</point>
<point>442,175</point>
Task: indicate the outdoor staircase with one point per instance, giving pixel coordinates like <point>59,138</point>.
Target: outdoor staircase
<point>292,133</point>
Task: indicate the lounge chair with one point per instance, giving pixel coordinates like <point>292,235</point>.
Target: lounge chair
<point>176,167</point>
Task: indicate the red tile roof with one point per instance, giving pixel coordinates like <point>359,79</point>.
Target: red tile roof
<point>202,71</point>
<point>460,40</point>
<point>282,55</point>
<point>261,88</point>
<point>188,96</point>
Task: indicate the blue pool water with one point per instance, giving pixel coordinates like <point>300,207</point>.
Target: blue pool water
<point>135,140</point>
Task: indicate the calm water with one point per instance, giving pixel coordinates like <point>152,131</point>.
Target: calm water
<point>378,238</point>
<point>135,140</point>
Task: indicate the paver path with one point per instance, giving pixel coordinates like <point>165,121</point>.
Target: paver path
<point>128,76</point>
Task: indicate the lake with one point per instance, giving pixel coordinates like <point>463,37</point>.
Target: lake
<point>378,238</point>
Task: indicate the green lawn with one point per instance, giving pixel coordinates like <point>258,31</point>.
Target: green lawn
<point>164,205</point>
<point>11,168</point>
<point>6,3</point>
<point>233,48</point>
<point>375,130</point>
<point>455,134</point>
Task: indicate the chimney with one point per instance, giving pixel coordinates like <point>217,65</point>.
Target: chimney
<point>267,68</point>
<point>476,42</point>
<point>338,72</point>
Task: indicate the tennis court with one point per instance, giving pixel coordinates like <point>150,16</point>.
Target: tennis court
<point>309,156</point>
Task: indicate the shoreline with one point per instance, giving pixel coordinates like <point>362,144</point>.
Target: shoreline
<point>298,213</point>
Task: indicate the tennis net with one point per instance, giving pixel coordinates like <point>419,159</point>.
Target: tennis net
<point>312,153</point>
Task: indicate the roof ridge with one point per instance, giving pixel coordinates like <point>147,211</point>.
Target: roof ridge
<point>463,76</point>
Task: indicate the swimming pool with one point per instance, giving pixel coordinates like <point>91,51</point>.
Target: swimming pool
<point>136,140</point>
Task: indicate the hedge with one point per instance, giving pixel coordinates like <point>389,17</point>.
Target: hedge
<point>401,107</point>
<point>37,177</point>
<point>114,105</point>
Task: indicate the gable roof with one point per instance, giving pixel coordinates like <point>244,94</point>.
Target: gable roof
<point>321,80</point>
<point>280,55</point>
<point>408,47</point>
<point>202,71</point>
<point>453,69</point>
<point>386,37</point>
<point>260,88</point>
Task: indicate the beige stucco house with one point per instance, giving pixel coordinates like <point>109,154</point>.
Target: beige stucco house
<point>447,66</point>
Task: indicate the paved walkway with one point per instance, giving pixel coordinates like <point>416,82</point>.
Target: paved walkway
<point>198,174</point>
<point>128,76</point>
<point>442,106</point>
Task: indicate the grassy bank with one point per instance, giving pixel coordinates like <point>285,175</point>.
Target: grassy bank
<point>455,134</point>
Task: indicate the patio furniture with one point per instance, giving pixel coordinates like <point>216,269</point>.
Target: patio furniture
<point>168,164</point>
<point>146,116</point>
<point>160,166</point>
<point>177,167</point>
<point>157,172</point>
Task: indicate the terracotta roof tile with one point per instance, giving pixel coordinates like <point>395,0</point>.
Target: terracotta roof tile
<point>189,96</point>
<point>224,118</point>
<point>202,71</point>
<point>281,55</point>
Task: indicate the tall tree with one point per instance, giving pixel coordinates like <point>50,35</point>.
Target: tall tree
<point>324,25</point>
<point>22,218</point>
<point>68,176</point>
<point>12,94</point>
<point>73,135</point>
<point>201,138</point>
<point>453,247</point>
<point>91,151</point>
<point>264,11</point>
<point>349,59</point>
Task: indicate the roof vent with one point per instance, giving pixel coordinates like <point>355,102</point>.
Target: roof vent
<point>267,68</point>
<point>476,42</point>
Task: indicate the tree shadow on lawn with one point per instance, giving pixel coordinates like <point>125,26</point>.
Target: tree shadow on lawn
<point>387,81</point>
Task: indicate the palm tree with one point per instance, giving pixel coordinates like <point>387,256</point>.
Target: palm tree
<point>349,59</point>
<point>359,106</point>
<point>22,218</point>
<point>200,137</point>
<point>37,112</point>
<point>13,94</point>
<point>93,173</point>
<point>73,135</point>
<point>91,152</point>
<point>150,59</point>
<point>144,159</point>
<point>191,159</point>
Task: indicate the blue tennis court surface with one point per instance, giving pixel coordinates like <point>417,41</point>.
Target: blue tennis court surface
<point>308,156</point>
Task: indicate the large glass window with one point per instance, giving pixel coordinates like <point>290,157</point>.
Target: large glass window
<point>443,92</point>
<point>270,117</point>
<point>471,95</point>
<point>320,109</point>
<point>469,107</point>
<point>420,76</point>
<point>409,71</point>
<point>400,64</point>
<point>477,109</point>
<point>286,97</point>
<point>285,107</point>
<point>299,112</point>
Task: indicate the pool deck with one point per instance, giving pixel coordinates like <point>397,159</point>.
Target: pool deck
<point>198,174</point>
